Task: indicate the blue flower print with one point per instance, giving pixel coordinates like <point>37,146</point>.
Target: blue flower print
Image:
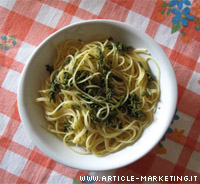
<point>197,28</point>
<point>3,37</point>
<point>14,42</point>
<point>170,130</point>
<point>176,117</point>
<point>6,41</point>
<point>179,3</point>
<point>7,47</point>
<point>182,16</point>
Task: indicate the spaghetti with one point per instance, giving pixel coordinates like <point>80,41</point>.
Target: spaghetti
<point>100,95</point>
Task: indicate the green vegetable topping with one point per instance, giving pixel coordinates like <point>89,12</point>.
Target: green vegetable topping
<point>49,68</point>
<point>149,76</point>
<point>67,61</point>
<point>98,91</point>
<point>66,126</point>
<point>147,92</point>
<point>123,48</point>
<point>66,79</point>
<point>54,89</point>
<point>76,107</point>
<point>133,105</point>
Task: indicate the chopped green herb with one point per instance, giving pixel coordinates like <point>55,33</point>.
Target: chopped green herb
<point>67,61</point>
<point>60,108</point>
<point>52,96</point>
<point>108,87</point>
<point>66,79</point>
<point>117,78</point>
<point>82,75</point>
<point>123,48</point>
<point>109,46</point>
<point>90,91</point>
<point>54,89</point>
<point>94,118</point>
<point>144,93</point>
<point>140,64</point>
<point>91,56</point>
<point>117,105</point>
<point>133,105</point>
<point>147,92</point>
<point>149,76</point>
<point>49,68</point>
<point>109,119</point>
<point>101,56</point>
<point>109,92</point>
<point>66,126</point>
<point>76,107</point>
<point>118,126</point>
<point>110,39</point>
<point>74,66</point>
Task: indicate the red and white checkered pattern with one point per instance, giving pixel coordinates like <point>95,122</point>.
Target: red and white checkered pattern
<point>31,21</point>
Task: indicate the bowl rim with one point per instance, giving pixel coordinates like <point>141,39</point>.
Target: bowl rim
<point>20,93</point>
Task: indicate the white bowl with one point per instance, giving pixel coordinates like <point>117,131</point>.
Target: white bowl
<point>32,115</point>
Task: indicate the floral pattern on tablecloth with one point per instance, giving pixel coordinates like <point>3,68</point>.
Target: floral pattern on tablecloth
<point>184,15</point>
<point>7,41</point>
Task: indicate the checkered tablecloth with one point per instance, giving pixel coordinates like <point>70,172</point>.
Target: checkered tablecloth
<point>173,24</point>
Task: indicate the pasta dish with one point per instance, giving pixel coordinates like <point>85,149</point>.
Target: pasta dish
<point>100,95</point>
